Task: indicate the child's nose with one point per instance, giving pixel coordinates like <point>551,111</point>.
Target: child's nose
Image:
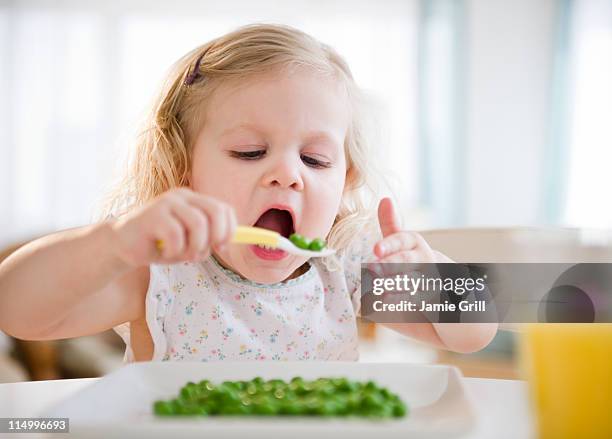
<point>284,173</point>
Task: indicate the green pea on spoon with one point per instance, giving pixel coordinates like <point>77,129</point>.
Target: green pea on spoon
<point>296,244</point>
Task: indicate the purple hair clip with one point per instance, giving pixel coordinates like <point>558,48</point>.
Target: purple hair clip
<point>195,73</point>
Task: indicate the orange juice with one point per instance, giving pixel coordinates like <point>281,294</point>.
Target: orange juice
<point>569,369</point>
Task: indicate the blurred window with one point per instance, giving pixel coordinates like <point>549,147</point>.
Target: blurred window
<point>590,139</point>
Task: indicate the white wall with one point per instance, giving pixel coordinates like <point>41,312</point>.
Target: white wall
<point>510,46</point>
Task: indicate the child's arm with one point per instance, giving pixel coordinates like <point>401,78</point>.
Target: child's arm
<point>44,282</point>
<point>398,246</point>
<point>89,279</point>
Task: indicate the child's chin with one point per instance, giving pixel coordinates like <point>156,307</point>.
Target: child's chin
<point>268,276</point>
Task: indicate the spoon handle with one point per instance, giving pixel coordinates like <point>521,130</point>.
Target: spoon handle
<point>255,235</point>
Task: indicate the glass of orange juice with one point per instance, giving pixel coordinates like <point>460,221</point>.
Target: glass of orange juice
<point>569,370</point>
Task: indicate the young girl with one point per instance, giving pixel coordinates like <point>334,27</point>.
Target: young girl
<point>258,127</point>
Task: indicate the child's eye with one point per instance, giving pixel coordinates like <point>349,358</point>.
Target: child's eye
<point>248,155</point>
<point>314,163</point>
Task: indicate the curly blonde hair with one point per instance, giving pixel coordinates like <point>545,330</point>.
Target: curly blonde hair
<point>163,153</point>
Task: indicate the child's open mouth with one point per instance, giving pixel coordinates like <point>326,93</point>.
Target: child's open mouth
<point>280,221</point>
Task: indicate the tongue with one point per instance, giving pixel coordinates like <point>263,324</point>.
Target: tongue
<point>277,220</point>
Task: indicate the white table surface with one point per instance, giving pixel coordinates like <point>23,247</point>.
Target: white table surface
<point>501,406</point>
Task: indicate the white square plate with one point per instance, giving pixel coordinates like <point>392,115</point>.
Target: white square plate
<point>120,404</point>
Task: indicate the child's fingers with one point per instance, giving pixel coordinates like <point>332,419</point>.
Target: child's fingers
<point>396,242</point>
<point>203,221</point>
<point>442,258</point>
<point>387,218</point>
<point>421,259</point>
<point>196,225</point>
<point>218,217</point>
<point>231,222</point>
<point>170,238</point>
<point>417,255</point>
<point>218,222</point>
<point>394,264</point>
<point>403,257</point>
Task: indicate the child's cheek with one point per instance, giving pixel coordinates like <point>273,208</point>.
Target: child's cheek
<point>322,211</point>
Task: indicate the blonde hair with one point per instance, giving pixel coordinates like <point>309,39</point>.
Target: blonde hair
<point>162,158</point>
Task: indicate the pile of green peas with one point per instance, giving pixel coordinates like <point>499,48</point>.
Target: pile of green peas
<point>298,397</point>
<point>302,242</point>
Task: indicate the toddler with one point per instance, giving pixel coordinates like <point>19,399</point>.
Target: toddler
<point>258,127</point>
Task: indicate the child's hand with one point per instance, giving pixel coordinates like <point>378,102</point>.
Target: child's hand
<point>179,225</point>
<point>402,246</point>
<point>408,247</point>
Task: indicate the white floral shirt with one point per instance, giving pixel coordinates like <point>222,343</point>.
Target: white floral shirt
<point>205,312</point>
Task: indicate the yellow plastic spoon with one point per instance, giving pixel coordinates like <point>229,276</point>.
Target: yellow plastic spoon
<point>257,235</point>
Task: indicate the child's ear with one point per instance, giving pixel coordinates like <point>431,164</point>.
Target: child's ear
<point>349,179</point>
